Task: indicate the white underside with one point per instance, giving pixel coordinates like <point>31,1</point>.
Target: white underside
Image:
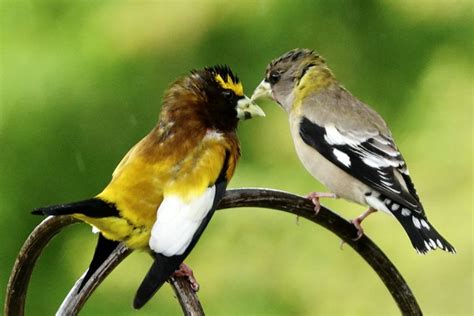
<point>177,221</point>
<point>377,204</point>
<point>333,177</point>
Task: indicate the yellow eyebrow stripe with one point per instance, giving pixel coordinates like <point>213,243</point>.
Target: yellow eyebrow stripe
<point>230,84</point>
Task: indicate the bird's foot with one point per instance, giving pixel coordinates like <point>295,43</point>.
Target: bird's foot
<point>360,231</point>
<point>358,221</point>
<point>315,196</point>
<point>185,271</point>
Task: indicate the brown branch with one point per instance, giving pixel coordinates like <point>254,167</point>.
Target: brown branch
<point>188,299</point>
<point>365,247</point>
<point>401,293</point>
<point>26,259</point>
<point>74,301</point>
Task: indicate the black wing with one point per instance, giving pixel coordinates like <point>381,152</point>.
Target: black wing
<point>373,159</point>
<point>94,207</point>
<point>164,266</point>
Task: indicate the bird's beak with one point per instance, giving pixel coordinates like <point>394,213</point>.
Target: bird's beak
<point>263,91</point>
<point>247,109</point>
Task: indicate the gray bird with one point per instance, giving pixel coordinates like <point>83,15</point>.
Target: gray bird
<point>346,145</point>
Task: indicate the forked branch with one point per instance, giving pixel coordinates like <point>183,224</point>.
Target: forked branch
<point>265,198</point>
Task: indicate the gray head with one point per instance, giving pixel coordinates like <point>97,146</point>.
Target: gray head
<point>283,76</point>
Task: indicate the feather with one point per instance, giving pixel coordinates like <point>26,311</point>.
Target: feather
<point>166,263</point>
<point>422,234</point>
<point>95,208</point>
<point>102,251</point>
<point>177,221</point>
<point>372,159</point>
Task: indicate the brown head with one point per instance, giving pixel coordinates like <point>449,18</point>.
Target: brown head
<point>212,97</point>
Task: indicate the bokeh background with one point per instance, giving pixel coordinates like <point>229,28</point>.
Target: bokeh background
<point>81,82</point>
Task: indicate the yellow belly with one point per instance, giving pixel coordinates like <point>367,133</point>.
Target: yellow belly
<point>119,229</point>
<point>137,194</point>
<point>142,178</point>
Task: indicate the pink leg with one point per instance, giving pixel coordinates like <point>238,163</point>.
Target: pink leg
<point>185,271</point>
<point>358,221</point>
<point>315,196</point>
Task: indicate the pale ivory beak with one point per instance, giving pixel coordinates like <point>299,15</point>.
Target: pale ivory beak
<point>247,109</point>
<point>263,91</point>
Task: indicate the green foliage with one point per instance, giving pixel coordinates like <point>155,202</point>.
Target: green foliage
<point>81,82</point>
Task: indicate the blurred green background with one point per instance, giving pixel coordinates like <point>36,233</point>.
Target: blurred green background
<point>82,82</point>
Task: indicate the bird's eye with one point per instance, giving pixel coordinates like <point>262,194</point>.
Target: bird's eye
<point>274,77</point>
<point>228,94</point>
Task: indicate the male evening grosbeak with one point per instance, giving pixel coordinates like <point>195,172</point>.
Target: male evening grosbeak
<point>346,145</point>
<point>165,190</point>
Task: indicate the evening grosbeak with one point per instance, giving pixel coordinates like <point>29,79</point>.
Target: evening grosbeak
<point>346,145</point>
<point>165,190</point>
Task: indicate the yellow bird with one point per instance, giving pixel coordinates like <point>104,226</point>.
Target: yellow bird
<point>165,190</point>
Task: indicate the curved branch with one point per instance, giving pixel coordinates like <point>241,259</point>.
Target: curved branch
<point>187,297</point>
<point>365,247</point>
<point>74,301</point>
<point>26,259</point>
<point>265,198</point>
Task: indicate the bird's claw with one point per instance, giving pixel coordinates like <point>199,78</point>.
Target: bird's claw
<point>360,231</point>
<point>185,271</point>
<point>358,221</point>
<point>314,198</point>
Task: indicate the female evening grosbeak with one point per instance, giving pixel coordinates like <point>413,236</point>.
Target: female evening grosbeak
<point>165,190</point>
<point>346,145</point>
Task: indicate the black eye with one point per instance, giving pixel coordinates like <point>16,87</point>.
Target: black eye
<point>228,94</point>
<point>274,77</point>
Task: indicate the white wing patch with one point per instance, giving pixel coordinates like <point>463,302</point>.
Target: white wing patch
<point>342,157</point>
<point>376,151</point>
<point>177,221</point>
<point>334,137</point>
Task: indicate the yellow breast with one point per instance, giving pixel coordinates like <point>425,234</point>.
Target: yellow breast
<point>145,175</point>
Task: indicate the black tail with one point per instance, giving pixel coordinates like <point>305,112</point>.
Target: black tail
<point>163,266</point>
<point>102,251</point>
<point>423,235</point>
<point>159,272</point>
<point>93,208</point>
